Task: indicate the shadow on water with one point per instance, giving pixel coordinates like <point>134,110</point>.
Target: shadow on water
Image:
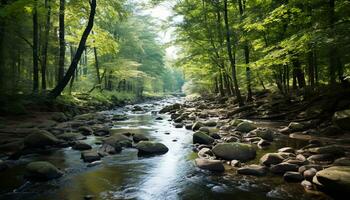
<point>127,176</point>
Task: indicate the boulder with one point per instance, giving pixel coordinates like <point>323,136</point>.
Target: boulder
<point>335,180</point>
<point>170,108</point>
<point>321,158</point>
<point>295,126</point>
<point>271,159</point>
<point>85,130</point>
<point>306,167</point>
<point>344,161</point>
<point>264,133</point>
<point>70,136</point>
<point>42,171</point>
<point>81,146</point>
<point>202,138</point>
<point>255,170</point>
<point>205,153</point>
<point>245,127</point>
<point>137,137</point>
<point>110,149</point>
<point>151,148</point>
<point>102,131</point>
<point>90,156</point>
<point>234,151</point>
<point>178,125</point>
<point>330,149</point>
<point>118,139</point>
<point>293,177</point>
<point>281,168</point>
<point>211,165</point>
<point>342,119</point>
<point>210,123</point>
<point>40,138</point>
<point>197,125</point>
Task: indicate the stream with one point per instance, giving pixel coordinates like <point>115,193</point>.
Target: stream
<point>127,176</point>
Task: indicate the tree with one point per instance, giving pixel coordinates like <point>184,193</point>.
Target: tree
<point>62,42</point>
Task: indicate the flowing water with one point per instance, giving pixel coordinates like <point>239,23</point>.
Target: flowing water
<point>127,176</point>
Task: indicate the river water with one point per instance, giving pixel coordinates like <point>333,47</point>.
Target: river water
<point>127,176</point>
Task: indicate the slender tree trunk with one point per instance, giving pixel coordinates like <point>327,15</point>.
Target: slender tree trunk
<point>311,70</point>
<point>246,55</point>
<point>299,74</point>
<point>2,56</point>
<point>332,49</point>
<point>35,49</point>
<point>216,87</point>
<point>62,42</point>
<point>221,84</point>
<point>63,83</point>
<point>45,47</point>
<point>73,76</point>
<point>229,51</point>
<point>97,68</point>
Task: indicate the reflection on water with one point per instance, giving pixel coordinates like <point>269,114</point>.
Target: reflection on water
<point>126,176</point>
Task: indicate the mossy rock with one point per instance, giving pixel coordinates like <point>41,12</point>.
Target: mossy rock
<point>151,148</point>
<point>42,171</point>
<point>40,138</point>
<point>245,127</point>
<point>234,151</point>
<point>202,138</point>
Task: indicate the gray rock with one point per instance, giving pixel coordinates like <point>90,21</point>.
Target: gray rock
<point>118,139</point>
<point>90,156</point>
<point>245,127</point>
<point>178,125</point>
<point>205,153</point>
<point>306,167</point>
<point>102,131</point>
<point>234,151</point>
<point>70,136</point>
<point>344,161</point>
<point>255,170</point>
<point>295,126</point>
<point>40,138</point>
<point>335,179</point>
<point>286,150</point>
<point>307,185</point>
<point>137,137</point>
<point>281,168</point>
<point>331,149</point>
<point>264,133</point>
<point>321,158</point>
<point>110,149</point>
<point>202,138</point>
<point>342,119</point>
<point>197,125</point>
<point>293,177</point>
<point>151,148</point>
<point>211,165</point>
<point>271,159</point>
<point>81,146</point>
<point>309,174</point>
<point>42,170</point>
<point>85,130</point>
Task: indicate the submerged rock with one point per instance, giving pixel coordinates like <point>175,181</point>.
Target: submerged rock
<point>211,165</point>
<point>234,151</point>
<point>255,170</point>
<point>202,138</point>
<point>42,170</point>
<point>151,148</point>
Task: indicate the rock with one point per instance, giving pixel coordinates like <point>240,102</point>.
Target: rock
<point>90,156</point>
<point>137,108</point>
<point>85,130</point>
<point>264,133</point>
<point>3,166</point>
<point>214,135</point>
<point>42,170</point>
<point>321,158</point>
<point>40,138</point>
<point>205,153</point>
<point>293,177</point>
<point>271,159</point>
<point>197,125</point>
<point>342,119</point>
<point>235,122</point>
<point>211,165</point>
<point>309,174</point>
<point>263,143</point>
<point>245,127</point>
<point>331,149</point>
<point>188,126</point>
<point>295,126</point>
<point>306,167</point>
<point>255,170</point>
<point>170,108</point>
<point>286,150</point>
<point>81,146</point>
<point>335,180</point>
<point>178,125</point>
<point>158,118</point>
<point>102,131</point>
<point>344,161</point>
<point>234,151</point>
<point>307,185</point>
<point>235,163</point>
<point>151,148</point>
<point>59,117</point>
<point>110,149</point>
<point>202,138</point>
<point>71,136</point>
<point>210,123</point>
<point>118,139</point>
<point>87,116</point>
<point>137,137</point>
<point>281,168</point>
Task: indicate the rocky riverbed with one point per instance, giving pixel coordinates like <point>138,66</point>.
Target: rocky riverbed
<point>199,149</point>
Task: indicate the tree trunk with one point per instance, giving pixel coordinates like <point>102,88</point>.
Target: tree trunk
<point>45,47</point>
<point>63,83</point>
<point>2,56</point>
<point>97,68</point>
<point>62,44</point>
<point>311,69</point>
<point>73,76</point>
<point>221,84</point>
<point>246,55</point>
<point>229,51</point>
<point>299,73</point>
<point>332,49</point>
<point>35,49</point>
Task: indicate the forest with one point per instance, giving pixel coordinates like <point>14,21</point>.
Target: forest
<point>174,99</point>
